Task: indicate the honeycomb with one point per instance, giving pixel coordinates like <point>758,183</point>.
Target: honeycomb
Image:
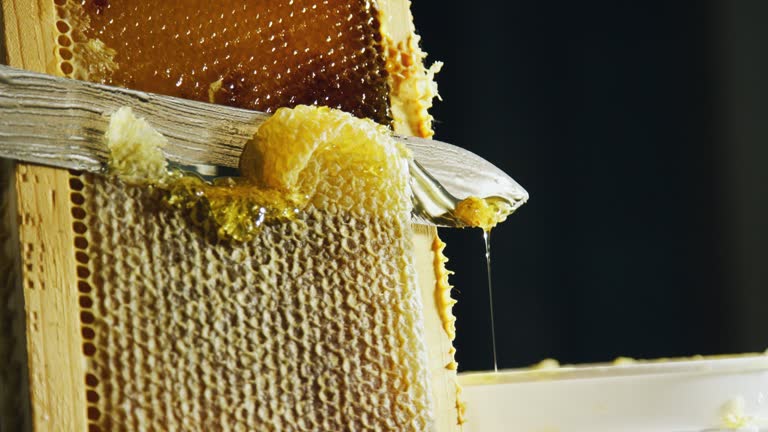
<point>258,55</point>
<point>312,325</point>
<point>315,323</point>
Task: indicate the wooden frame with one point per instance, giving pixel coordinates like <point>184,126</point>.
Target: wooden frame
<point>54,354</point>
<point>55,360</point>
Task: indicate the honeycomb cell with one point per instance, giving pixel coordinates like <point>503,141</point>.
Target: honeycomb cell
<point>315,323</point>
<point>258,55</point>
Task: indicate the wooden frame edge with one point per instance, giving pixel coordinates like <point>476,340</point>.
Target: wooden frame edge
<point>55,360</point>
<point>439,345</point>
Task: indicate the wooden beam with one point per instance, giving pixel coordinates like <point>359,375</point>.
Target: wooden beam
<point>55,359</point>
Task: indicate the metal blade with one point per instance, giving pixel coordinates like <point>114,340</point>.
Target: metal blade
<point>61,122</point>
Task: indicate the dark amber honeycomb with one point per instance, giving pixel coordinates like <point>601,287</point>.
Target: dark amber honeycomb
<point>258,55</point>
<point>314,324</point>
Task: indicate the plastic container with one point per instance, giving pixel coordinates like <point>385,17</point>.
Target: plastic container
<point>687,395</point>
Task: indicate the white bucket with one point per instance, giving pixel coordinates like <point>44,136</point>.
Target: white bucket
<point>687,395</point>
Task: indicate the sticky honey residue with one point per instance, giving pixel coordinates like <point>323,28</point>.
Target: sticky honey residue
<point>444,305</point>
<point>94,59</point>
<point>87,55</point>
<point>296,158</point>
<point>461,407</point>
<point>443,288</point>
<point>214,88</point>
<point>412,86</point>
<point>235,207</point>
<point>483,213</point>
<point>733,414</point>
<point>546,365</point>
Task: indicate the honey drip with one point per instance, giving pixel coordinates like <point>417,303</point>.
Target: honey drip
<point>232,207</point>
<point>487,240</point>
<point>433,203</point>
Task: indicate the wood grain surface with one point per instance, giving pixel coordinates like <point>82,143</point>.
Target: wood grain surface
<point>55,360</point>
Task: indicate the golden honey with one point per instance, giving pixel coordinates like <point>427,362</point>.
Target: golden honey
<point>258,55</point>
<point>483,213</point>
<point>282,167</point>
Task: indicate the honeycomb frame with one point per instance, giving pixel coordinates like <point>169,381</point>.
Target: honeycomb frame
<point>81,264</point>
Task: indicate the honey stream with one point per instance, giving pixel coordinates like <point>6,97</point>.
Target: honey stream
<point>487,240</point>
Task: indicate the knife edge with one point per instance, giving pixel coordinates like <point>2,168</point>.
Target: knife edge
<point>60,121</point>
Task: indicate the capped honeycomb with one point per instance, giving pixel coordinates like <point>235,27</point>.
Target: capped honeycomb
<point>315,324</point>
<point>203,337</point>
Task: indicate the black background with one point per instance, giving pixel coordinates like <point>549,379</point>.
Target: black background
<point>640,130</point>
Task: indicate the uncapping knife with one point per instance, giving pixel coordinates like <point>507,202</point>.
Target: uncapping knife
<point>61,122</point>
